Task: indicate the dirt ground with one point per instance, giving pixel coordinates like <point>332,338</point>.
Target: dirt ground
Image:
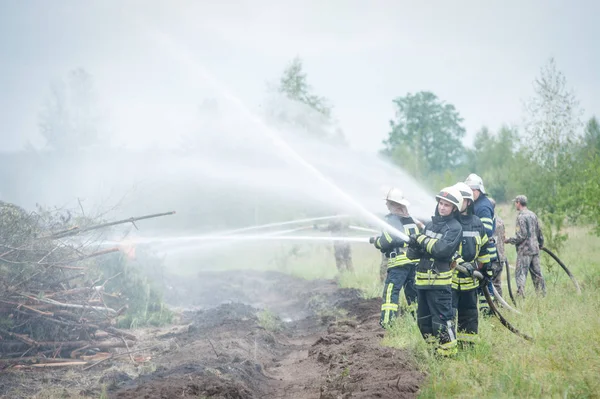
<point>245,334</point>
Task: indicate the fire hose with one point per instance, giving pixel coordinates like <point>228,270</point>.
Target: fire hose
<point>493,306</point>
<point>510,292</point>
<point>575,283</point>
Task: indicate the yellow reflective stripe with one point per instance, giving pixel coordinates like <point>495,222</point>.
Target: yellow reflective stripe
<point>388,237</point>
<point>431,278</point>
<point>378,242</point>
<point>448,349</point>
<point>430,244</point>
<point>399,261</point>
<point>421,238</point>
<point>467,337</point>
<point>388,305</point>
<point>486,220</point>
<point>484,258</point>
<point>485,239</point>
<point>428,273</point>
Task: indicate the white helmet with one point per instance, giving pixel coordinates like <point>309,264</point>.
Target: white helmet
<point>465,191</point>
<point>396,195</point>
<point>475,182</point>
<point>452,195</point>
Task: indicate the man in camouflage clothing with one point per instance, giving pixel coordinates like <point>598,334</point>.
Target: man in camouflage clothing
<point>341,248</point>
<point>528,240</point>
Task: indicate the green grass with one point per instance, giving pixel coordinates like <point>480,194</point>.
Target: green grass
<point>563,362</point>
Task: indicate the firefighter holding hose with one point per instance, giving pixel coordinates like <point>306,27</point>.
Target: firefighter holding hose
<point>436,248</point>
<point>473,251</point>
<point>400,268</point>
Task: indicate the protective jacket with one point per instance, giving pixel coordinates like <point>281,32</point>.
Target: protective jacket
<point>394,248</point>
<point>438,244</point>
<point>484,210</point>
<point>474,248</point>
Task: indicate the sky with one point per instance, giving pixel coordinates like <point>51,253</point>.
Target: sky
<point>154,62</point>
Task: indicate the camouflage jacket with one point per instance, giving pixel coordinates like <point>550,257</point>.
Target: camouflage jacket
<point>528,238</point>
<point>499,236</point>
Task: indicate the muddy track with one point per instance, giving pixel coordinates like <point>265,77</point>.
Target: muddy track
<point>248,335</point>
<point>331,351</point>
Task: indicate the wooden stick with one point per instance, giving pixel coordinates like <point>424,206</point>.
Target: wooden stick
<point>118,355</point>
<point>20,337</point>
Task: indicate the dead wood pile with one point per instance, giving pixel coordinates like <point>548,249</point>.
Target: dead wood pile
<point>53,301</point>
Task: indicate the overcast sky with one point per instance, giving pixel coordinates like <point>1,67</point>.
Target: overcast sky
<point>479,55</point>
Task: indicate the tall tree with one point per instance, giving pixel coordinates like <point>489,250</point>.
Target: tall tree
<point>553,117</point>
<point>592,135</point>
<point>70,117</point>
<point>293,104</point>
<point>553,128</point>
<point>426,135</point>
<point>492,158</point>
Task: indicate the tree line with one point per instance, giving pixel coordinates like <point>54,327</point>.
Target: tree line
<point>553,156</point>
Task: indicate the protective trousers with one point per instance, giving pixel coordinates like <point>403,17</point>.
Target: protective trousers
<point>435,318</point>
<point>398,277</point>
<point>465,305</point>
<point>529,263</point>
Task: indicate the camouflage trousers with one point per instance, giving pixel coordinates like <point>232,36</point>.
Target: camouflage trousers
<point>383,267</point>
<point>343,257</point>
<point>529,263</point>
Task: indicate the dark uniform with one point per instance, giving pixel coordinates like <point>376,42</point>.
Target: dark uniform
<point>484,210</point>
<point>528,240</point>
<point>474,249</point>
<point>400,269</point>
<point>437,246</point>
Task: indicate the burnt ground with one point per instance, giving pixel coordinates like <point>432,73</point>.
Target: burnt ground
<point>245,334</point>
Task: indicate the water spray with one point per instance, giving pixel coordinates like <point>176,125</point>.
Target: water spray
<point>184,55</point>
<point>249,238</point>
<point>276,224</point>
<point>364,229</point>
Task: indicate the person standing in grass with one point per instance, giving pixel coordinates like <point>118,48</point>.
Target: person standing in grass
<point>436,248</point>
<point>499,237</point>
<point>473,251</point>
<point>341,248</point>
<point>400,268</point>
<point>529,240</point>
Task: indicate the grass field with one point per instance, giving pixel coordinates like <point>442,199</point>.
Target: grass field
<point>562,362</point>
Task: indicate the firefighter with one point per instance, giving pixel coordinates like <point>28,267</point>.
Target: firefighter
<point>435,248</point>
<point>400,269</point>
<point>528,240</point>
<point>473,251</point>
<point>485,211</point>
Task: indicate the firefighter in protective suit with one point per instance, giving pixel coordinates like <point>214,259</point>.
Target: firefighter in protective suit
<point>400,269</point>
<point>473,250</point>
<point>484,210</point>
<point>436,248</point>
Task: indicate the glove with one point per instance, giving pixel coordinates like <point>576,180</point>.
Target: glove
<point>414,253</point>
<point>487,270</point>
<point>372,240</point>
<point>470,268</point>
<point>412,242</point>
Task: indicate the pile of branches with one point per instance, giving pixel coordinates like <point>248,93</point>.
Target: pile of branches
<point>53,301</point>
